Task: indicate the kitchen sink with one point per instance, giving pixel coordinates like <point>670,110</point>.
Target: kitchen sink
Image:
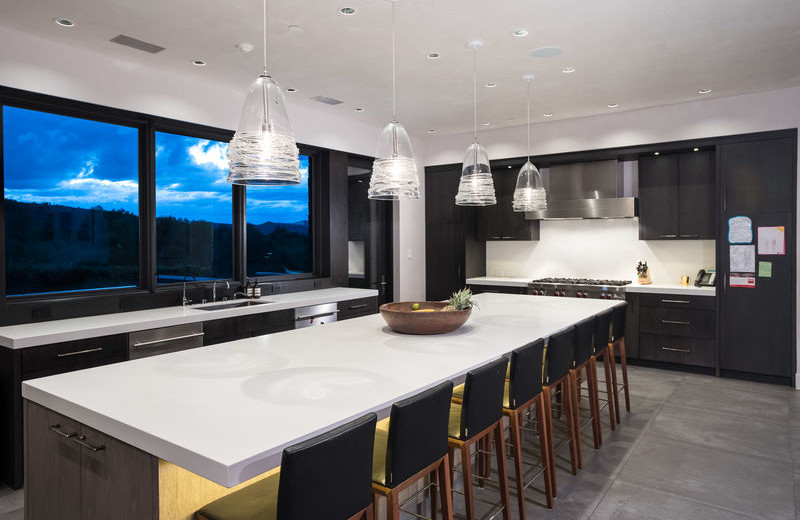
<point>231,305</point>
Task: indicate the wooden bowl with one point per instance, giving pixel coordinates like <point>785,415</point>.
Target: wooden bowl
<point>401,318</point>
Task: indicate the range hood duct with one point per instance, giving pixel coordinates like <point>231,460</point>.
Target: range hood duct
<point>597,189</point>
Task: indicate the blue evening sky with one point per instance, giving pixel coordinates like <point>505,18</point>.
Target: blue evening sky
<point>82,163</point>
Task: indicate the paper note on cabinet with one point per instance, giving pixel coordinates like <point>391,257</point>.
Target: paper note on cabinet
<point>743,280</point>
<point>743,259</point>
<point>765,269</point>
<point>771,240</point>
<point>740,230</point>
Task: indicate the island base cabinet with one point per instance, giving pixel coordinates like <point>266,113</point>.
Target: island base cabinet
<point>75,472</point>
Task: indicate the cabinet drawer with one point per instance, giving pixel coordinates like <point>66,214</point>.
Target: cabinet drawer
<point>678,322</point>
<point>358,307</point>
<point>677,301</point>
<point>676,349</point>
<point>73,355</point>
<point>240,327</point>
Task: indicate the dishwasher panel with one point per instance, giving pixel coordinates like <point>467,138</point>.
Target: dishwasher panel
<point>314,315</point>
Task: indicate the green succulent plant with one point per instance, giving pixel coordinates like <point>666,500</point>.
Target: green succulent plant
<point>460,300</point>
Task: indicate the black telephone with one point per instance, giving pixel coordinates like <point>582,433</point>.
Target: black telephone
<point>705,278</point>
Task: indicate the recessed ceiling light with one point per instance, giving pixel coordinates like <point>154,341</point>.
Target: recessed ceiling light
<point>696,149</point>
<point>295,28</point>
<point>431,130</point>
<point>358,109</point>
<point>568,70</point>
<point>547,52</point>
<point>704,91</point>
<point>657,153</point>
<point>613,105</point>
<point>486,123</point>
<point>64,22</point>
<point>245,47</point>
<point>434,56</point>
<point>198,63</point>
<point>291,90</point>
<point>347,11</point>
<point>549,114</point>
<point>519,33</point>
<point>490,85</point>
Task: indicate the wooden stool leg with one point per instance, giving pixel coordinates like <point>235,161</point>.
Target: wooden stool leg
<point>434,475</point>
<point>544,447</point>
<point>392,506</point>
<point>576,413</point>
<point>502,470</point>
<point>594,402</point>
<point>548,424</point>
<point>466,471</point>
<point>516,447</point>
<point>576,456</point>
<point>451,452</point>
<point>612,361</point>
<point>623,358</point>
<point>609,390</point>
<point>445,488</point>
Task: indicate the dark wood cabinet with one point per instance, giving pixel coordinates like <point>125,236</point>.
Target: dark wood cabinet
<point>501,289</point>
<point>76,472</point>
<point>677,196</point>
<point>241,327</point>
<point>501,222</point>
<point>758,176</point>
<point>358,307</point>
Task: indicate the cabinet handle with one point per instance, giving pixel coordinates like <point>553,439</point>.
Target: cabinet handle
<point>176,338</point>
<point>725,198</point>
<point>79,352</point>
<point>688,236</point>
<point>671,349</point>
<point>667,236</point>
<point>675,301</point>
<point>507,237</point>
<point>57,429</point>
<point>354,307</point>
<point>672,322</point>
<point>314,316</point>
<point>496,238</point>
<point>80,440</point>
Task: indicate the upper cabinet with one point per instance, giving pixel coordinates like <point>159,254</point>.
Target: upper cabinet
<point>676,196</point>
<point>501,222</point>
<point>754,178</point>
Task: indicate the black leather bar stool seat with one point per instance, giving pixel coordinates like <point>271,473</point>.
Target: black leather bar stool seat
<point>327,477</point>
<point>584,363</point>
<point>523,392</point>
<point>616,343</point>
<point>476,419</point>
<point>412,444</point>
<point>605,354</point>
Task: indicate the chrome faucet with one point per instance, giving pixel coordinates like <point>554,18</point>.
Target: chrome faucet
<point>184,300</point>
<point>214,290</point>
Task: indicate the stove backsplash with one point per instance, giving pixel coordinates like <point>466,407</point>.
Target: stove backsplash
<point>598,249</point>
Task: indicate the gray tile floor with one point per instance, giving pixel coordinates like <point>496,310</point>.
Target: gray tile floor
<point>693,447</point>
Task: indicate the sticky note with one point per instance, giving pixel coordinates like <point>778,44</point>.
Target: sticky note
<point>765,269</point>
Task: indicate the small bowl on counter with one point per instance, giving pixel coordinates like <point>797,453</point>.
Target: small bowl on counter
<point>428,319</point>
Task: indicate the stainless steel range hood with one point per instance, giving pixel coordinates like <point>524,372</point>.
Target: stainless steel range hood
<point>598,189</point>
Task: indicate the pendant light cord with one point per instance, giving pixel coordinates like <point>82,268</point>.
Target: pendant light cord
<point>529,120</point>
<point>394,66</point>
<point>265,37</point>
<point>475,90</point>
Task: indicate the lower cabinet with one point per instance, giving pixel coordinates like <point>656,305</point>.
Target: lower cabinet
<point>77,473</point>
<point>678,329</point>
<point>241,327</point>
<point>478,289</point>
<point>356,308</point>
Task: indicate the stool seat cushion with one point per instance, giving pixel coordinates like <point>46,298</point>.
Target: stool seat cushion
<point>258,501</point>
<point>379,452</point>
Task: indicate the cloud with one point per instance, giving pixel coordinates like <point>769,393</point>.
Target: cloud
<point>210,155</point>
<point>292,205</point>
<point>81,192</point>
<point>172,196</point>
<point>88,168</point>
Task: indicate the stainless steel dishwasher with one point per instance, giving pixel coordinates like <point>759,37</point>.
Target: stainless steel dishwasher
<point>146,343</point>
<point>314,315</point>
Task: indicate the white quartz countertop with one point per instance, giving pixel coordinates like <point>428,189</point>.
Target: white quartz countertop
<point>499,280</point>
<point>43,333</point>
<point>671,288</point>
<point>227,411</point>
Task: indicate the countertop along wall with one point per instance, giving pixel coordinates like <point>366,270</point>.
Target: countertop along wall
<point>707,117</point>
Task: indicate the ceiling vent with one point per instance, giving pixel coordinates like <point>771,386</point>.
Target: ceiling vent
<point>327,100</point>
<point>136,44</point>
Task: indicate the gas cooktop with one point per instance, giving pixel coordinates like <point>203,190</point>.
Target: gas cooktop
<point>582,281</point>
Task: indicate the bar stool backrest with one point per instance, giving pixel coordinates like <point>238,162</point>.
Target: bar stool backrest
<point>584,340</point>
<point>603,332</point>
<point>417,433</point>
<point>618,322</point>
<point>525,381</point>
<point>328,476</point>
<point>560,353</point>
<point>482,405</point>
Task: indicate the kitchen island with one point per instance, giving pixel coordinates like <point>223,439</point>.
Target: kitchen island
<point>212,418</point>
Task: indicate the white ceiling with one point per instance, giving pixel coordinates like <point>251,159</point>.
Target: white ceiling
<point>637,53</point>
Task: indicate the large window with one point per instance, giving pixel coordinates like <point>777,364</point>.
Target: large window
<point>278,228</point>
<point>71,203</point>
<point>193,209</point>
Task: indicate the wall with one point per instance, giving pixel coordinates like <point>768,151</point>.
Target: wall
<point>708,117</point>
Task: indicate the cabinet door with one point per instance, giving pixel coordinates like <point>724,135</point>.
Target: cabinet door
<point>357,308</point>
<point>757,176</point>
<point>696,195</point>
<point>52,465</point>
<point>440,197</point>
<point>444,259</point>
<point>490,218</point>
<point>658,197</point>
<point>515,226</point>
<point>67,356</point>
<point>118,480</point>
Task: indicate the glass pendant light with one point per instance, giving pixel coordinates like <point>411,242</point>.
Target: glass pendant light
<point>529,194</point>
<point>394,172</point>
<point>263,150</point>
<point>476,187</point>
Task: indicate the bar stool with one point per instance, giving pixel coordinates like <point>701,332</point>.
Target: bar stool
<point>605,354</point>
<point>558,359</point>
<point>478,417</point>
<point>523,391</point>
<point>412,444</point>
<point>327,477</point>
<point>584,363</point>
<point>617,345</point>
